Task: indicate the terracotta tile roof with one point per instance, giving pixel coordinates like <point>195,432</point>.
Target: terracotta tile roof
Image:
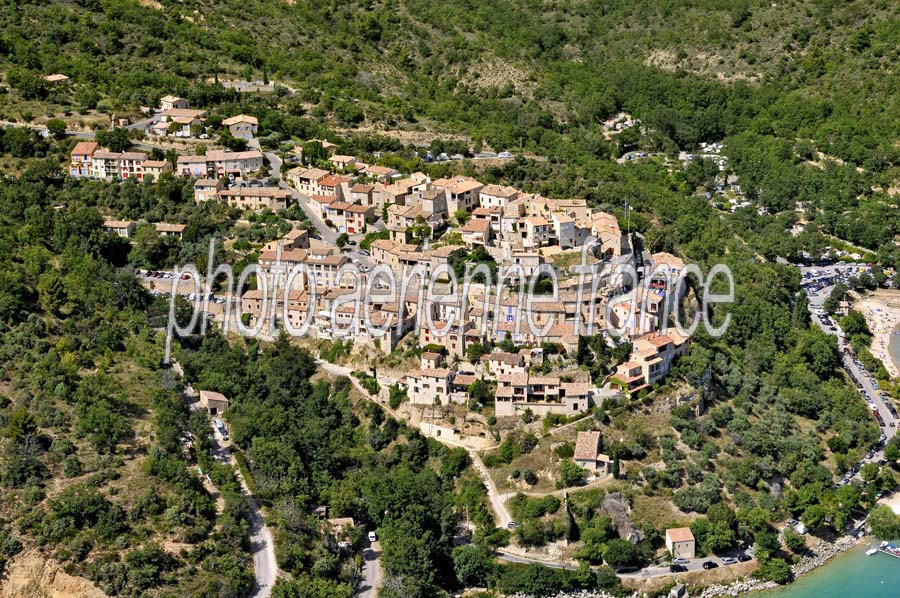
<point>587,446</point>
<point>85,148</point>
<point>240,118</point>
<point>680,534</point>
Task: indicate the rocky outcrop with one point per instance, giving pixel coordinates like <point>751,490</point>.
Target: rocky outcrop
<point>616,506</point>
<point>31,575</point>
<point>575,594</point>
<point>737,588</point>
<point>821,556</point>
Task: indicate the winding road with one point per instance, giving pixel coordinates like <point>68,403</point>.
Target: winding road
<point>262,544</point>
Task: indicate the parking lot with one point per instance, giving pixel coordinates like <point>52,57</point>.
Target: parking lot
<point>819,281</point>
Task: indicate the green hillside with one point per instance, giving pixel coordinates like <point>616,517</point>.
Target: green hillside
<point>510,73</point>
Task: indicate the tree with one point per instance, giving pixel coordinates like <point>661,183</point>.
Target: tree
<point>57,128</point>
<point>117,140</point>
<point>833,302</point>
<point>869,472</point>
<point>884,524</point>
<point>892,450</point>
<point>620,554</point>
<point>570,473</point>
<point>342,240</point>
<point>777,570</point>
<point>233,143</point>
<point>21,424</point>
<point>854,323</point>
<point>474,566</point>
<point>794,541</point>
<point>474,352</point>
<point>813,516</point>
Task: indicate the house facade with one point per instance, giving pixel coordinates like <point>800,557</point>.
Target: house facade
<point>242,126</point>
<point>80,159</point>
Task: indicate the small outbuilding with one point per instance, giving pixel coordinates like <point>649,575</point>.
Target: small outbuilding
<point>588,455</point>
<point>215,403</point>
<point>680,542</point>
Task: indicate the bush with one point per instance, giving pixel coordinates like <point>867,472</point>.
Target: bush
<point>396,396</point>
<point>474,566</point>
<point>570,473</point>
<point>525,507</point>
<point>72,466</point>
<point>777,570</point>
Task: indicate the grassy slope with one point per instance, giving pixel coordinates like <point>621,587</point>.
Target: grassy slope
<point>372,50</point>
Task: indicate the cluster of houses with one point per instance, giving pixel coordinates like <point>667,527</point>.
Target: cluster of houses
<point>127,228</point>
<point>325,294</point>
<point>517,390</point>
<point>496,216</point>
<point>89,160</point>
<point>177,118</point>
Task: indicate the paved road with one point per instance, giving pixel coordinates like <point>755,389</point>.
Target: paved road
<point>816,299</point>
<point>326,233</point>
<point>647,572</point>
<point>262,545</point>
<point>503,517</point>
<point>371,571</point>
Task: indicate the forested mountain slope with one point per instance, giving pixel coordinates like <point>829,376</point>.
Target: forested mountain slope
<point>534,73</point>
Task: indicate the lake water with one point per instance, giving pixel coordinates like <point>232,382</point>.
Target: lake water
<point>848,575</point>
<point>894,347</point>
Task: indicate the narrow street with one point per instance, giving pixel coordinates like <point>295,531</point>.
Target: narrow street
<point>326,233</point>
<point>262,543</point>
<point>371,571</point>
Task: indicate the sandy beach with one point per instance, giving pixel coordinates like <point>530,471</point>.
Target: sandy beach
<point>882,312</point>
<point>893,501</point>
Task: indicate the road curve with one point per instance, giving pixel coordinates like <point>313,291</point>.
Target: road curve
<point>262,544</point>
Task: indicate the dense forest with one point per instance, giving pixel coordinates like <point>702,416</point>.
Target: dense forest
<point>778,83</point>
<point>93,471</point>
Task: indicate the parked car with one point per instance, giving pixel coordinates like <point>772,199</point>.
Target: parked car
<point>680,561</point>
<point>710,565</point>
<point>744,558</point>
<point>729,560</point>
<point>372,537</point>
<point>504,155</point>
<point>677,569</point>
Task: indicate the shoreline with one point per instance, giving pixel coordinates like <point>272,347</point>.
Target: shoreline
<point>807,565</point>
<point>748,585</point>
<point>882,313</point>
